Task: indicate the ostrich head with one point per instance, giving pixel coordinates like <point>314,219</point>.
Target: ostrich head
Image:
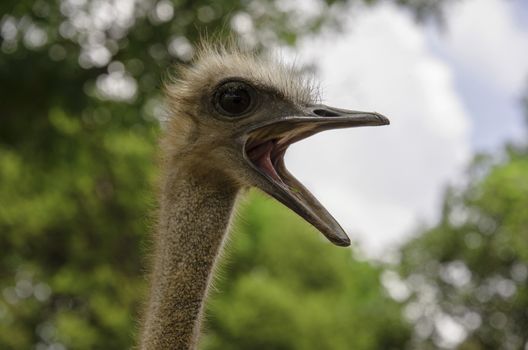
<point>234,115</point>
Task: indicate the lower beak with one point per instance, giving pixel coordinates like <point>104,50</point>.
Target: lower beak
<point>265,148</point>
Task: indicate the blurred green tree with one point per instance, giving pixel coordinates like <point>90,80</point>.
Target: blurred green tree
<point>469,274</point>
<point>80,104</point>
<point>285,287</point>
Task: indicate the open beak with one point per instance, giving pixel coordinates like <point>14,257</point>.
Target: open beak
<point>265,148</point>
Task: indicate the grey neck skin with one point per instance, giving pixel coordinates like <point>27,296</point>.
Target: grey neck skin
<point>194,217</point>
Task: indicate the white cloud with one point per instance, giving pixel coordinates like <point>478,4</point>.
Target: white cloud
<point>486,44</point>
<point>484,37</point>
<point>379,181</point>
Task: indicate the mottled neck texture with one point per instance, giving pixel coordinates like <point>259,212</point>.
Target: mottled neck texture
<point>194,215</point>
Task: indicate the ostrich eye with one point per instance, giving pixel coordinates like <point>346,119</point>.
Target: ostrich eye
<point>233,99</point>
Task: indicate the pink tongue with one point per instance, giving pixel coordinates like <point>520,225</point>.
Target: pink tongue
<point>262,155</point>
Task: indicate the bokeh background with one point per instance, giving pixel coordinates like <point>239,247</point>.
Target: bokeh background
<point>436,204</point>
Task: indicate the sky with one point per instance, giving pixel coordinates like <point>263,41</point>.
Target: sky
<point>448,93</point>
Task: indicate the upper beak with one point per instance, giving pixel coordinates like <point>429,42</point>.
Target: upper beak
<point>265,147</point>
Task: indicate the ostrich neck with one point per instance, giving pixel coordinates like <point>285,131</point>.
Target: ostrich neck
<point>194,215</point>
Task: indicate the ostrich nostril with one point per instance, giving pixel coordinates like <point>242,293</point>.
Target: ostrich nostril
<point>326,113</point>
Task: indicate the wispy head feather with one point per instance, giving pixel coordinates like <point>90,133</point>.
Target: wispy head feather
<point>214,62</point>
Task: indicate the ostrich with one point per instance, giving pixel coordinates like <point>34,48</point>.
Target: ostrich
<point>232,117</point>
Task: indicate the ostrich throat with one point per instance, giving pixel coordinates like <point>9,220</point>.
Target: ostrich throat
<point>195,210</point>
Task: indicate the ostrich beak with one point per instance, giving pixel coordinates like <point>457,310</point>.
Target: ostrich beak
<point>265,148</point>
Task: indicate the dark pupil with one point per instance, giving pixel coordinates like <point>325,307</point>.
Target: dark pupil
<point>235,101</point>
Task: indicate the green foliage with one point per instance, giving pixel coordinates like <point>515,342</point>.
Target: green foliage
<point>74,229</point>
<point>285,287</point>
<point>476,259</point>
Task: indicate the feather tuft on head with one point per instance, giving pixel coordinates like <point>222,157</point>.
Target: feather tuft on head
<point>214,62</point>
